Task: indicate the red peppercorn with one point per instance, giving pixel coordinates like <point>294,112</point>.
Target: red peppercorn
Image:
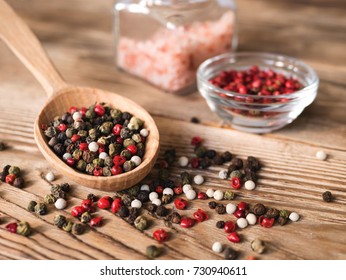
<point>101,148</point>
<point>266,222</point>
<point>160,235</point>
<point>242,206</point>
<point>119,140</point>
<point>187,222</point>
<point>132,149</point>
<point>195,162</point>
<point>116,169</point>
<point>98,171</point>
<point>180,203</point>
<point>83,111</point>
<point>239,214</point>
<point>159,189</point>
<point>62,127</point>
<point>200,215</point>
<point>196,141</point>
<point>96,222</point>
<point>75,137</point>
<point>233,237</point>
<point>116,204</point>
<point>77,211</point>
<point>250,258</point>
<point>229,227</point>
<point>235,183</point>
<point>72,110</point>
<point>12,227</point>
<point>104,202</point>
<point>83,146</point>
<point>87,205</point>
<point>116,129</point>
<point>70,161</point>
<point>202,195</point>
<point>178,190</point>
<point>119,160</point>
<point>99,110</point>
<point>10,178</point>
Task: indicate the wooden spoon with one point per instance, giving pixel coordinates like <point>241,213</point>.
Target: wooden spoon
<point>62,96</point>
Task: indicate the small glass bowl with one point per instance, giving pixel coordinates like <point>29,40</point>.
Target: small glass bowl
<point>253,113</point>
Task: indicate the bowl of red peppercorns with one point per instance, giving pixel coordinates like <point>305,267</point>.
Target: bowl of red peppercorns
<point>257,92</point>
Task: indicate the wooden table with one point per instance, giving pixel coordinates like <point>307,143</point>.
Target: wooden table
<point>77,37</point>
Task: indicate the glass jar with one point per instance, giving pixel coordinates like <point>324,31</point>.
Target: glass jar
<point>164,41</point>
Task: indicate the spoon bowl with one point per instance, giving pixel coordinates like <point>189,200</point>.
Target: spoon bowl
<point>61,96</point>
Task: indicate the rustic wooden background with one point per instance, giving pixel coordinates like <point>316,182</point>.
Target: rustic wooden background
<point>77,37</point>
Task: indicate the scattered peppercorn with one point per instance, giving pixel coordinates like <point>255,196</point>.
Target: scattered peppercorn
<point>259,209</point>
<point>327,196</point>
<point>141,223</point>
<point>161,211</point>
<point>2,146</point>
<point>220,224</point>
<point>60,221</point>
<point>230,254</point>
<point>153,252</point>
<point>220,209</point>
<point>257,246</point>
<point>68,226</point>
<point>212,204</point>
<point>174,218</point>
<point>31,206</point>
<point>23,228</point>
<point>40,208</point>
<point>123,212</point>
<point>194,120</point>
<point>77,228</point>
<point>85,217</point>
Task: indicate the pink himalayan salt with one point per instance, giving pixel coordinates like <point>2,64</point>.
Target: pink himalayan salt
<point>169,59</point>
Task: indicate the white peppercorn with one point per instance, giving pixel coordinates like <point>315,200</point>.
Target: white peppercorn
<point>294,217</point>
<point>60,203</point>
<point>136,203</point>
<point>242,223</point>
<point>198,179</point>
<point>210,193</point>
<point>190,194</point>
<point>153,195</point>
<point>321,155</point>
<point>231,208</point>
<point>145,188</point>
<point>251,219</point>
<point>250,185</point>
<point>186,188</point>
<point>217,247</point>
<point>218,195</point>
<point>183,161</point>
<point>136,160</point>
<point>156,201</point>
<point>50,176</point>
<point>223,174</point>
<point>168,191</point>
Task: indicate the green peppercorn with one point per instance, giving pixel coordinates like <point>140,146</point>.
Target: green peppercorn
<point>31,206</point>
<point>141,223</point>
<point>137,138</point>
<point>51,131</point>
<point>128,166</point>
<point>82,133</point>
<point>55,188</point>
<point>85,218</point>
<point>77,228</point>
<point>125,133</point>
<point>126,154</point>
<point>90,114</point>
<point>108,162</point>
<point>40,208</point>
<point>115,113</point>
<point>102,140</point>
<point>200,151</point>
<point>106,128</point>
<point>285,213</point>
<point>53,141</point>
<point>229,195</point>
<point>106,171</point>
<point>236,174</point>
<point>166,198</point>
<point>98,162</point>
<point>90,168</point>
<point>77,154</point>
<point>49,199</point>
<point>69,132</point>
<point>14,170</point>
<point>185,178</point>
<point>60,194</point>
<point>23,228</point>
<point>60,221</point>
<point>128,142</point>
<point>68,226</point>
<point>153,252</point>
<point>136,121</point>
<point>18,182</point>
<point>81,165</point>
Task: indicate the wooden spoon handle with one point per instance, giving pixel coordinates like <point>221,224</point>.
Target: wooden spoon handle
<point>20,39</point>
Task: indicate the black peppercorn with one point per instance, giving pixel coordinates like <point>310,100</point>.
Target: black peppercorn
<point>220,209</point>
<point>212,204</point>
<point>143,196</point>
<point>65,187</point>
<point>169,184</point>
<point>151,207</point>
<point>18,182</point>
<point>5,172</point>
<point>210,154</point>
<point>194,120</point>
<point>77,228</point>
<point>200,151</point>
<point>174,218</point>
<point>92,197</point>
<point>230,254</point>
<point>133,214</point>
<point>282,220</point>
<point>227,156</point>
<point>59,149</point>
<point>205,163</point>
<point>2,146</point>
<point>327,196</point>
<point>218,160</point>
<point>238,162</point>
<point>31,206</point>
<point>272,213</point>
<point>161,211</point>
<point>253,163</point>
<point>59,221</point>
<point>231,168</point>
<point>259,209</point>
<point>220,224</point>
<point>250,175</point>
<point>166,198</point>
<point>123,212</point>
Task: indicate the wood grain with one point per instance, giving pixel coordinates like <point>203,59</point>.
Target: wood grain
<point>78,39</point>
